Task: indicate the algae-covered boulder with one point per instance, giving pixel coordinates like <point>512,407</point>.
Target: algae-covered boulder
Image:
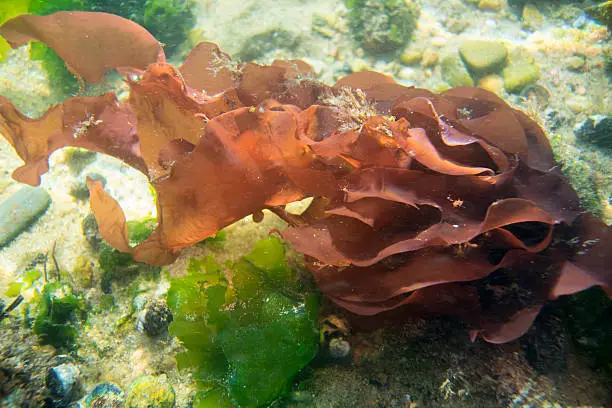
<point>382,25</point>
<point>483,57</point>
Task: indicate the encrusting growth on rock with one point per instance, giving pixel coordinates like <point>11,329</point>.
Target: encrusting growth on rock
<point>445,203</point>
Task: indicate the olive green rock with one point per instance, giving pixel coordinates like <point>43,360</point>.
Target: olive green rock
<point>520,74</point>
<point>531,19</point>
<point>20,210</point>
<point>454,71</point>
<point>483,57</point>
<point>575,63</point>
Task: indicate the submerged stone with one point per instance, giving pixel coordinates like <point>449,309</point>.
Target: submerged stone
<point>62,381</point>
<point>483,57</point>
<point>382,26</point>
<point>105,395</point>
<point>454,72</point>
<point>532,19</point>
<point>596,130</point>
<point>20,210</point>
<point>519,75</point>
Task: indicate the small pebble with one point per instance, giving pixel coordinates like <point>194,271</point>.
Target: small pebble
<point>575,63</point>
<point>339,348</point>
<point>62,381</point>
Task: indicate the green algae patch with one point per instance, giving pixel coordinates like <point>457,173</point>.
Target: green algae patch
<point>24,282</point>
<point>60,311</point>
<point>248,338</point>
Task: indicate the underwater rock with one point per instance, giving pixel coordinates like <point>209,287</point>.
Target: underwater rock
<point>268,41</point>
<point>576,63</point>
<point>454,71</point>
<point>492,83</point>
<point>382,26</point>
<point>596,130</point>
<point>491,5</point>
<point>531,19</point>
<point>154,318</point>
<point>148,391</point>
<point>483,57</point>
<point>62,381</point>
<point>105,395</point>
<point>20,210</point>
<point>411,57</point>
<point>519,75</point>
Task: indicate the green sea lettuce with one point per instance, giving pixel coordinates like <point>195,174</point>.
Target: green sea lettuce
<point>59,313</point>
<point>245,342</point>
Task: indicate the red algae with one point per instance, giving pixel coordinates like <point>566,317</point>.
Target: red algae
<point>446,203</point>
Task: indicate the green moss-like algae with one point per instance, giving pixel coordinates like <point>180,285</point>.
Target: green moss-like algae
<point>245,342</point>
<point>59,312</point>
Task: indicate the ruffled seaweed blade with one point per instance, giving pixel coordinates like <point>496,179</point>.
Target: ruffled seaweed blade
<point>247,353</point>
<point>448,203</point>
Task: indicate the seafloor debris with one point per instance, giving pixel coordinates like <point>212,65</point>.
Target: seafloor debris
<point>446,203</point>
